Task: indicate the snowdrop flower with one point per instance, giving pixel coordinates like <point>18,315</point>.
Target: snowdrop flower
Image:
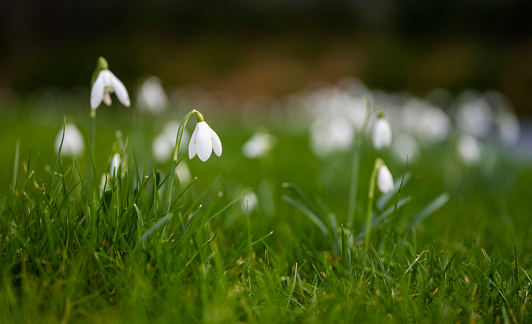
<point>152,97</point>
<point>105,84</point>
<point>474,115</point>
<point>163,145</point>
<point>428,123</point>
<point>258,145</point>
<point>115,164</point>
<point>162,148</point>
<point>327,136</point>
<point>405,147</point>
<point>72,143</point>
<point>469,149</point>
<point>384,179</point>
<point>249,203</point>
<point>203,141</point>
<point>183,173</point>
<point>382,133</point>
<point>509,129</point>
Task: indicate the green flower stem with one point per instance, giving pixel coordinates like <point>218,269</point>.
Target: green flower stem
<point>175,160</point>
<point>92,140</point>
<point>356,168</point>
<point>371,192</point>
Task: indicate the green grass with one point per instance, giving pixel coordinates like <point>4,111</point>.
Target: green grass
<point>71,254</point>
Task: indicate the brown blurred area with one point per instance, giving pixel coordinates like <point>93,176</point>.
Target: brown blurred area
<point>272,47</point>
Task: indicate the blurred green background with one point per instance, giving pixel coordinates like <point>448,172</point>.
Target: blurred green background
<point>247,48</point>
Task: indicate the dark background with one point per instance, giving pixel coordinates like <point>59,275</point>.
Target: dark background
<point>250,47</point>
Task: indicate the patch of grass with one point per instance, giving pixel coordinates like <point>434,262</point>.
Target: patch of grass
<point>71,251</point>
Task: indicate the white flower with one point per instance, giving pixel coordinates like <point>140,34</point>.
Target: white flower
<point>72,143</point>
<point>105,84</point>
<point>405,148</point>
<point>163,145</point>
<point>115,164</point>
<point>474,115</point>
<point>203,141</point>
<point>258,145</point>
<point>469,149</point>
<point>250,202</point>
<point>330,135</point>
<point>183,173</point>
<point>509,129</point>
<point>382,134</point>
<point>384,179</point>
<point>152,97</point>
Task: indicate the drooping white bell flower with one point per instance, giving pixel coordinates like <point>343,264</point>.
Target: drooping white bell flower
<point>203,141</point>
<point>469,149</point>
<point>152,96</point>
<point>163,145</point>
<point>328,135</point>
<point>382,133</point>
<point>105,84</point>
<point>183,173</point>
<point>405,148</point>
<point>249,202</point>
<point>258,145</point>
<point>72,143</point>
<point>115,164</point>
<point>384,179</point>
<point>509,129</point>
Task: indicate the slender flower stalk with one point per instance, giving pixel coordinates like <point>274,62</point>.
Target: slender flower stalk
<point>384,179</point>
<point>202,142</point>
<point>356,167</point>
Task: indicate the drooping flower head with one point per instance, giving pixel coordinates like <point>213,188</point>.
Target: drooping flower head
<point>203,141</point>
<point>382,133</point>
<point>106,83</point>
<point>72,141</point>
<point>384,179</point>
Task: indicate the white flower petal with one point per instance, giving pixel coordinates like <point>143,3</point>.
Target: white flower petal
<point>382,134</point>
<point>115,165</point>
<point>216,143</point>
<point>192,144</point>
<point>107,98</point>
<point>203,141</point>
<point>97,91</point>
<point>384,179</point>
<point>120,89</point>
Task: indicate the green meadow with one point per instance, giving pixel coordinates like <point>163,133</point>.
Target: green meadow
<point>265,239</point>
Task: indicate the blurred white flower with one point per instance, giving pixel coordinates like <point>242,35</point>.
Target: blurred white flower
<point>474,115</point>
<point>203,141</point>
<point>382,134</point>
<point>384,179</point>
<point>162,148</point>
<point>72,143</point>
<point>164,144</point>
<point>105,84</point>
<point>405,147</point>
<point>428,123</point>
<point>509,129</point>
<point>327,136</point>
<point>152,96</point>
<point>355,110</point>
<point>259,144</point>
<point>183,173</point>
<point>469,149</point>
<point>115,165</point>
<point>249,202</point>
